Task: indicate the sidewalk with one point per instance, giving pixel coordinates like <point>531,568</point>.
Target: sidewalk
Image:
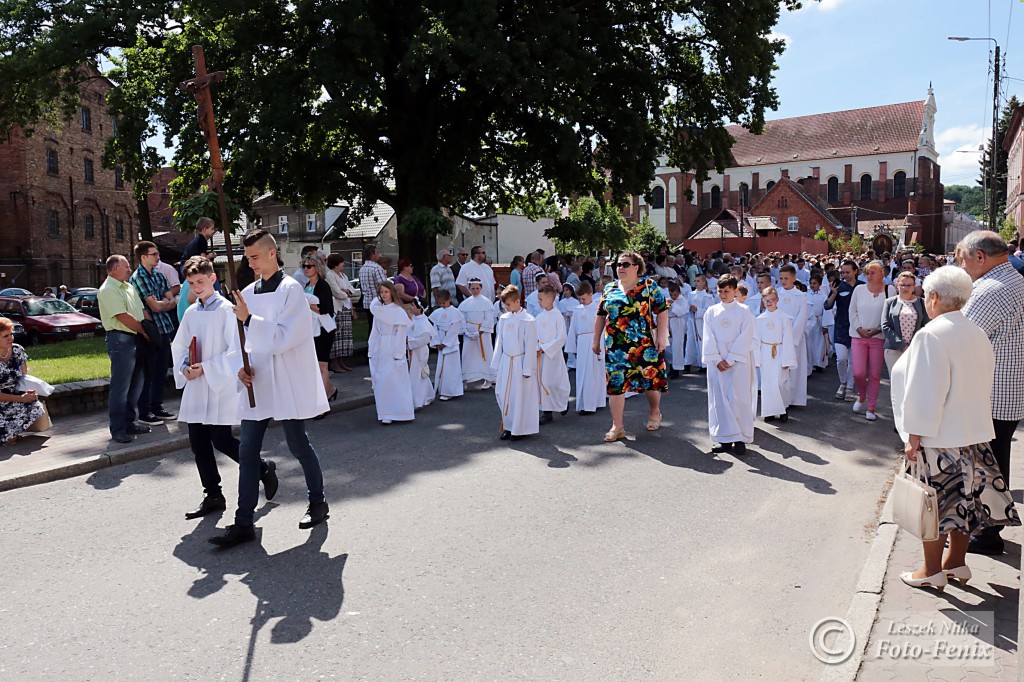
<point>81,444</point>
<point>915,630</point>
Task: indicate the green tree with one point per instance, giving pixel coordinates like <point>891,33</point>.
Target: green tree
<point>461,104</point>
<point>1002,156</point>
<point>969,200</point>
<point>589,227</point>
<point>1008,229</point>
<point>644,236</point>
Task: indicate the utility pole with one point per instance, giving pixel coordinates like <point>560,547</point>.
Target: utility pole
<point>994,155</point>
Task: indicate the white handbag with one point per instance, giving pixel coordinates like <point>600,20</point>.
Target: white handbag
<point>31,383</point>
<point>915,504</point>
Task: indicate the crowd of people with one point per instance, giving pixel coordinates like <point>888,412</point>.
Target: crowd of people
<point>757,326</point>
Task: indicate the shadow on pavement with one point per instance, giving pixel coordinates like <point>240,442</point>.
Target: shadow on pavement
<point>293,587</point>
<point>27,445</point>
<point>111,477</point>
<point>759,464</point>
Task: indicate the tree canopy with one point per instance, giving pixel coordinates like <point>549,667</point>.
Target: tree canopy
<point>427,105</point>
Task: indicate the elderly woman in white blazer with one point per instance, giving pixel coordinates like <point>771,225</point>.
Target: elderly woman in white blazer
<point>941,405</point>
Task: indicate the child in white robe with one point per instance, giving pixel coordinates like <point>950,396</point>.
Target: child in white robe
<point>448,325</point>
<point>515,362</point>
<point>591,380</point>
<point>727,343</point>
<point>532,302</point>
<point>816,298</point>
<point>419,356</point>
<point>775,355</point>
<point>700,300</point>
<point>389,364</point>
<point>552,375</point>
<point>566,305</point>
<point>477,347</point>
<point>679,310</point>
<point>209,374</point>
<point>741,298</point>
<point>793,302</point>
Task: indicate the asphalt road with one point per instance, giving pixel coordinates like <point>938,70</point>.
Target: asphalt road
<point>451,555</point>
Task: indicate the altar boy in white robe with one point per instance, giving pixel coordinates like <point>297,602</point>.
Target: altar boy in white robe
<point>515,362</point>
<point>678,312</point>
<point>552,374</point>
<point>389,363</point>
<point>448,326</point>
<point>727,343</point>
<point>591,380</point>
<point>477,347</point>
<point>419,356</point>
<point>700,300</point>
<point>817,295</point>
<point>206,363</point>
<point>775,355</point>
<point>285,379</point>
<point>793,302</point>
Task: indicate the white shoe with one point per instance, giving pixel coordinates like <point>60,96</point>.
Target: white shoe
<point>870,416</point>
<point>486,385</point>
<point>385,422</point>
<point>445,398</point>
<point>858,406</point>
<point>938,581</point>
<point>841,393</point>
<point>961,573</point>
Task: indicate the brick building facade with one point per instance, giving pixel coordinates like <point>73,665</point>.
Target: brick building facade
<point>61,212</point>
<point>878,162</point>
<point>1013,143</point>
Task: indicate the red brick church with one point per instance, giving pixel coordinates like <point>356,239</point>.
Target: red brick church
<point>825,171</point>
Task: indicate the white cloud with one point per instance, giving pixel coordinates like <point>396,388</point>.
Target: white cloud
<point>958,152</point>
<point>775,35</point>
<point>823,5</point>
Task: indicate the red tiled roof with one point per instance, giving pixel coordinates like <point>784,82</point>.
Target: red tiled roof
<point>820,206</point>
<point>855,132</point>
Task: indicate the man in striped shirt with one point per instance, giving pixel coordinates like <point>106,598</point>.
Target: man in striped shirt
<point>997,306</point>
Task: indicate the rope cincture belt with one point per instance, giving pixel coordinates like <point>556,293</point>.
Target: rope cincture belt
<point>479,336</point>
<point>508,386</point>
<point>774,347</point>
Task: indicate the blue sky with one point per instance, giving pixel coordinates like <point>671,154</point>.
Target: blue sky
<point>848,54</point>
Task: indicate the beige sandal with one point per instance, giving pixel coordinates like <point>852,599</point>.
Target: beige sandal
<point>614,434</point>
<point>654,423</point>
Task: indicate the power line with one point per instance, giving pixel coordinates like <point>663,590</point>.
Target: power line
<point>1009,22</point>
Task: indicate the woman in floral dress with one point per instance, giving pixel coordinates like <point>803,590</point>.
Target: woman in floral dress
<point>17,410</point>
<point>634,317</point>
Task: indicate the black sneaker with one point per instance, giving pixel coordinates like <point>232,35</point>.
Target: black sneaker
<point>164,414</point>
<point>739,449</point>
<point>150,419</point>
<point>721,447</point>
<point>546,418</point>
<point>137,429</point>
<point>122,438</point>
<point>234,535</point>
<point>316,512</point>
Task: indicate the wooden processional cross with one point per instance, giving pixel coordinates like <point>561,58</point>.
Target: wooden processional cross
<point>200,88</point>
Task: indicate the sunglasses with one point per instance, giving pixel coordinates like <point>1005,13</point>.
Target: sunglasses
<point>308,266</point>
<point>626,264</point>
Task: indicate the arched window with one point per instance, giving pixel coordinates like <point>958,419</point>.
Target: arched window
<point>865,187</point>
<point>833,190</point>
<point>899,184</point>
<point>771,183</point>
<point>716,197</point>
<point>744,195</point>
<point>658,197</point>
<point>56,273</point>
<point>53,223</point>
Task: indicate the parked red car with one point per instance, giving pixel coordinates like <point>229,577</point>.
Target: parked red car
<point>48,319</point>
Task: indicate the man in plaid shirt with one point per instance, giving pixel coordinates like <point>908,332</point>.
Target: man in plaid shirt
<point>371,275</point>
<point>530,272</point>
<point>159,323</point>
<point>997,306</point>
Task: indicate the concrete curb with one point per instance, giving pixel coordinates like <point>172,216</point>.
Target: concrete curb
<point>867,597</point>
<point>92,463</point>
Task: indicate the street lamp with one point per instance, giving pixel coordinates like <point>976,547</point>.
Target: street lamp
<point>993,199</point>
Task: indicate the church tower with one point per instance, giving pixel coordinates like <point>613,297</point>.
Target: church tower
<point>926,139</point>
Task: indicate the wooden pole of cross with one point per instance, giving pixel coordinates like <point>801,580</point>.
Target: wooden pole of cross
<point>200,88</point>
